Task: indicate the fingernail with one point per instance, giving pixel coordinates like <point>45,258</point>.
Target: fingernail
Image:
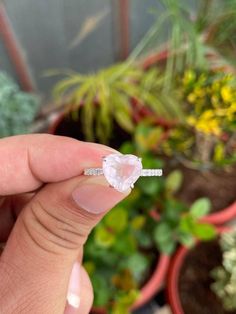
<point>96,196</point>
<point>73,295</point>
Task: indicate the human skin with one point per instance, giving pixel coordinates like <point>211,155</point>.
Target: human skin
<point>47,210</point>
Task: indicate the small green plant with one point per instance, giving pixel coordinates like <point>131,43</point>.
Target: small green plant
<point>105,98</point>
<point>17,109</point>
<point>115,257</point>
<point>225,275</point>
<point>179,223</point>
<point>123,248</point>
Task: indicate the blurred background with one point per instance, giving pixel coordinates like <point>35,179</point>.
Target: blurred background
<point>153,78</point>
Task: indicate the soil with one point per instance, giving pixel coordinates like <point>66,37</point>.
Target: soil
<point>194,282</point>
<point>219,186</point>
<point>72,128</point>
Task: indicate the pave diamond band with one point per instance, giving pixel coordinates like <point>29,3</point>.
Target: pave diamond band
<point>144,172</point>
<point>122,171</point>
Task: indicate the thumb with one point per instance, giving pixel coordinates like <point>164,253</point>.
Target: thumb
<point>46,240</point>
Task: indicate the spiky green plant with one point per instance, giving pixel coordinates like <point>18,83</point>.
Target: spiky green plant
<point>192,34</point>
<point>104,97</point>
<point>225,275</point>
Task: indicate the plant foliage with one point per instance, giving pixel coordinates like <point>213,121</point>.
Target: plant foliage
<point>193,32</point>
<point>122,249</point>
<point>17,109</point>
<point>208,134</point>
<point>106,97</point>
<point>225,275</point>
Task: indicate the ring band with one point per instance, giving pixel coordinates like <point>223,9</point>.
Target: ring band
<point>122,171</point>
<point>144,172</point>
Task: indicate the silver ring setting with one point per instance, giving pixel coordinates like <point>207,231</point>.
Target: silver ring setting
<point>122,171</point>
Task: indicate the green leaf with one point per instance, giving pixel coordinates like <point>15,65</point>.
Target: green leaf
<point>186,224</point>
<point>90,267</point>
<point>174,181</point>
<point>127,148</point>
<point>124,301</point>
<point>200,207</point>
<point>138,222</point>
<point>205,231</point>
<point>103,237</point>
<point>162,232</point>
<point>186,239</point>
<point>150,186</point>
<point>126,244</point>
<point>138,265</point>
<point>151,161</point>
<point>116,219</point>
<point>144,239</point>
<point>167,247</point>
<point>101,293</point>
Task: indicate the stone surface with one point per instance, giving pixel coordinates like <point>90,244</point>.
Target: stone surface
<point>122,171</point>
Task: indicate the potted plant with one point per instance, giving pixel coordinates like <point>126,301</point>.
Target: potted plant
<point>203,144</point>
<point>206,271</point>
<point>17,109</point>
<point>124,256</point>
<point>197,37</point>
<point>106,105</point>
<point>132,257</point>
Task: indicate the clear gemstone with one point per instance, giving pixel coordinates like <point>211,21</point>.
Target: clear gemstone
<point>122,171</point>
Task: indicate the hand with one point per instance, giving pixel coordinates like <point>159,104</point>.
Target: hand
<point>41,183</point>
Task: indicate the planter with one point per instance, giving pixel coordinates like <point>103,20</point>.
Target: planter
<point>223,216</point>
<point>152,287</point>
<point>64,125</point>
<point>174,276</point>
<point>218,186</point>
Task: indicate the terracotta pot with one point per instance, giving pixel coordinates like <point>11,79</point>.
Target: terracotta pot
<point>174,276</point>
<point>154,284</point>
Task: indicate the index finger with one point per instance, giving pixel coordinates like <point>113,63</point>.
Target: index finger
<point>28,161</point>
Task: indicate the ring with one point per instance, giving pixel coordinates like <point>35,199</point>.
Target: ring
<point>122,171</point>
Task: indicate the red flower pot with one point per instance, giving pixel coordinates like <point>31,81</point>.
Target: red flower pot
<point>154,284</point>
<point>174,276</point>
<point>223,216</point>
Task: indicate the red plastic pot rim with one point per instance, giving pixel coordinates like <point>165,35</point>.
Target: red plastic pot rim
<point>223,216</point>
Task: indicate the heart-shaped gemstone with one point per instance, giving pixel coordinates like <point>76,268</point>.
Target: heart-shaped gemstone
<point>122,171</point>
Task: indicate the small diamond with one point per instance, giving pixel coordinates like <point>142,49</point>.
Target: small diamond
<point>122,171</point>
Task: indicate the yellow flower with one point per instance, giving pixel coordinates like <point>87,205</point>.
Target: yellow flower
<point>189,77</point>
<point>209,127</point>
<point>215,100</point>
<point>191,120</point>
<point>221,112</point>
<point>231,112</point>
<point>208,123</point>
<point>191,98</point>
<point>216,86</point>
<point>199,92</point>
<point>227,93</point>
<point>208,114</point>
